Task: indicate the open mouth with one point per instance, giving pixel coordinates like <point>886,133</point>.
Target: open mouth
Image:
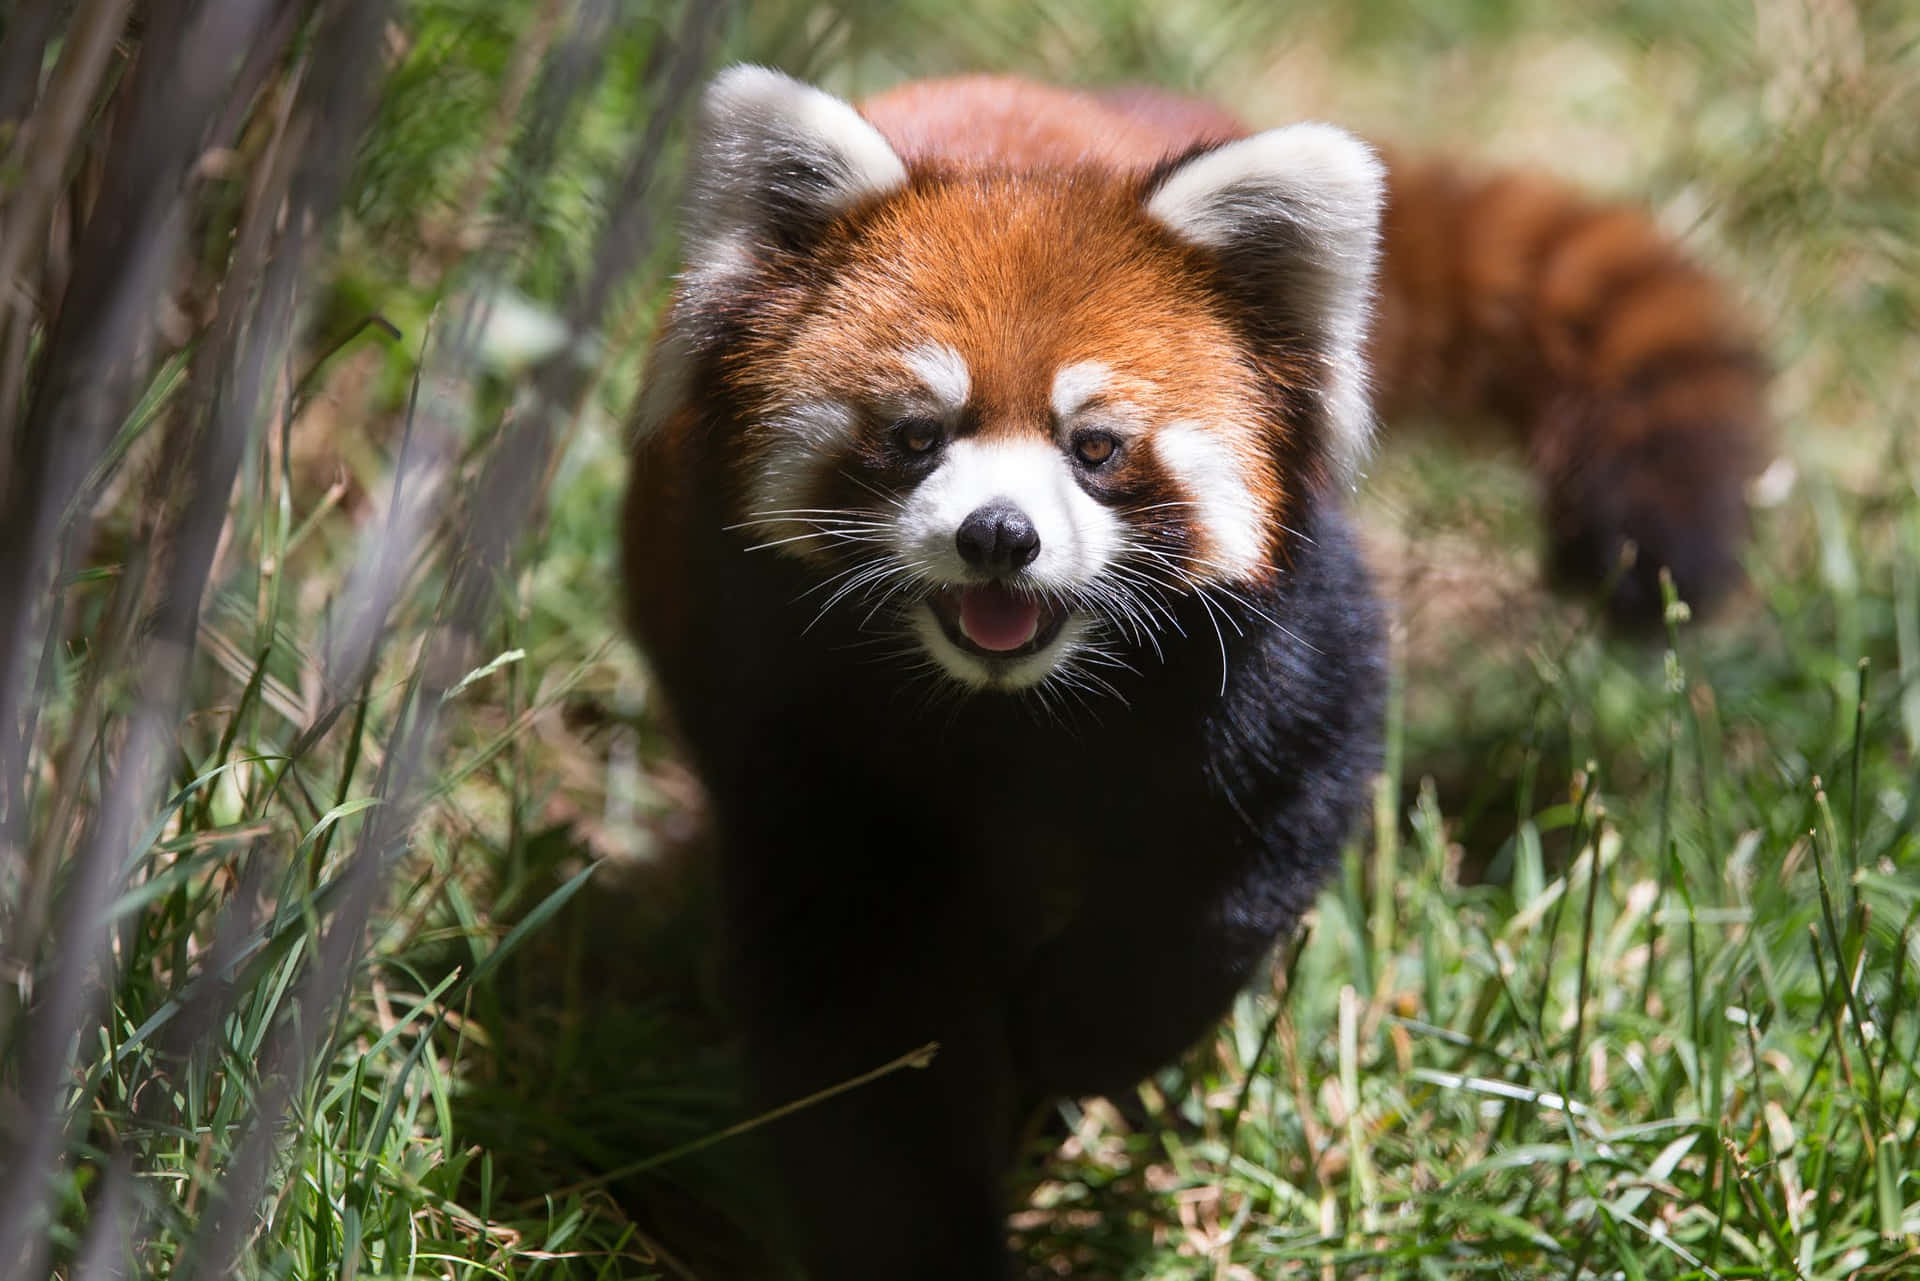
<point>996,622</point>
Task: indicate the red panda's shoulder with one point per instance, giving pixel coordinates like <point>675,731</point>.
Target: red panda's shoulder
<point>1005,120</point>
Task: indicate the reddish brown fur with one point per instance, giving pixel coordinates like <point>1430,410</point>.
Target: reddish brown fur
<point>1005,122</point>
<point>1496,292</point>
<point>1022,244</point>
<point>1621,367</point>
<point>1617,363</point>
<point>1020,276</point>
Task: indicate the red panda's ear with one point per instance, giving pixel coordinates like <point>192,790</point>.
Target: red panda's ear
<point>774,158</point>
<point>1294,215</point>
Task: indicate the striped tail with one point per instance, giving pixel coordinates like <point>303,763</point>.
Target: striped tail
<point>1623,368</point>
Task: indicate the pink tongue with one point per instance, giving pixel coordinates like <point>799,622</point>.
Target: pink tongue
<point>994,618</point>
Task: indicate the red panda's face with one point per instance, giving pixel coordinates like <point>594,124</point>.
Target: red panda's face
<point>1015,416</point>
<point>1016,404</point>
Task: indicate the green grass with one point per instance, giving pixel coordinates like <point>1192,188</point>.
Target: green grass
<point>1624,981</point>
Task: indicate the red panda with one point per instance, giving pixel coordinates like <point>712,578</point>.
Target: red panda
<point>986,535</point>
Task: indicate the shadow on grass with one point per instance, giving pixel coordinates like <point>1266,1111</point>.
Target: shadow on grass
<point>605,1044</point>
<point>604,1041</point>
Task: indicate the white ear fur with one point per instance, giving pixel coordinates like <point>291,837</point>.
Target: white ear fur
<point>770,155</point>
<point>1295,212</point>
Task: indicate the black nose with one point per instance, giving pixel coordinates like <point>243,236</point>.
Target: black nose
<point>998,538</point>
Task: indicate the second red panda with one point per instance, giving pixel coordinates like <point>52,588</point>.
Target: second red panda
<point>986,535</point>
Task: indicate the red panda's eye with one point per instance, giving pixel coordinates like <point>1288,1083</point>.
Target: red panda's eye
<point>918,435</point>
<point>1094,447</point>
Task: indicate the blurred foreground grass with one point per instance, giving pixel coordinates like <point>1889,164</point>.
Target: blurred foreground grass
<point>1626,982</point>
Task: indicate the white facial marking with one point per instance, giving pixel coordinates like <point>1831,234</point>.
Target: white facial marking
<point>1213,479</point>
<point>944,372</point>
<point>1074,385</point>
<point>720,259</point>
<point>1078,537</point>
<point>968,669</point>
<point>801,440</point>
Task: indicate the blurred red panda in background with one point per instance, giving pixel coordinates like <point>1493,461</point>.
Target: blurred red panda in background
<point>986,536</point>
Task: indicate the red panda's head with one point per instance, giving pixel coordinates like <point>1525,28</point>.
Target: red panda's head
<point>1014,413</point>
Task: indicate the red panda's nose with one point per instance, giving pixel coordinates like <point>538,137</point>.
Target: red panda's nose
<point>998,538</point>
